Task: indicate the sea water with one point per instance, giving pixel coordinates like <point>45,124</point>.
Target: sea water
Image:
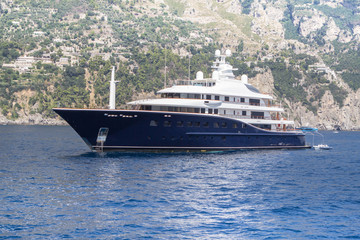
<point>53,187</point>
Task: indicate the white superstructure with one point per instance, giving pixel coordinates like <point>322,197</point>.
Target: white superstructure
<point>220,95</point>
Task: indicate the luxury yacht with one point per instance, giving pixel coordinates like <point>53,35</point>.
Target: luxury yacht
<point>204,114</point>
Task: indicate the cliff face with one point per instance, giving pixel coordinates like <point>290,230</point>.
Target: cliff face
<point>316,44</point>
<point>315,33</point>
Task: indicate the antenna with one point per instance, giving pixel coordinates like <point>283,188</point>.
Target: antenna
<point>165,69</point>
<point>112,89</point>
<point>189,66</point>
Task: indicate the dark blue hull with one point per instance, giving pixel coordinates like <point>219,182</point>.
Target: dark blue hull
<point>149,130</point>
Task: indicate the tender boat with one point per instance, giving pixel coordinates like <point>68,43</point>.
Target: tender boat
<point>307,129</point>
<point>322,147</point>
<point>217,113</point>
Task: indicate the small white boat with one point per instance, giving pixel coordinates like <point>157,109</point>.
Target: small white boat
<point>322,147</point>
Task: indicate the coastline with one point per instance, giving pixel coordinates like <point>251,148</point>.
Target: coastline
<point>36,119</point>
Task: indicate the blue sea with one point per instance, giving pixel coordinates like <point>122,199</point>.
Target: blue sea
<point>53,187</point>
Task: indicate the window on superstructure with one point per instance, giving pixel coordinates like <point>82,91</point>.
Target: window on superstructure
<point>210,111</point>
<point>217,97</point>
<point>244,113</point>
<point>197,96</point>
<point>224,125</point>
<point>216,111</point>
<point>257,115</point>
<point>226,99</point>
<point>203,110</point>
<point>242,99</point>
<point>234,125</point>
<point>255,102</point>
<point>189,124</point>
<point>216,125</point>
<point>208,97</point>
<point>206,124</point>
<point>179,123</point>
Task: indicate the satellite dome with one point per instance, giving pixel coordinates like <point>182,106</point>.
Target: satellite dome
<point>199,75</point>
<point>228,52</point>
<point>244,79</point>
<point>215,75</point>
<point>217,53</point>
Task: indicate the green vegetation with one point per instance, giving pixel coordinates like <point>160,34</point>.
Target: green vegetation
<point>343,16</point>
<point>346,58</point>
<point>291,31</point>
<point>338,93</point>
<point>246,5</point>
<point>287,81</point>
<point>9,51</point>
<point>176,7</point>
<point>353,79</point>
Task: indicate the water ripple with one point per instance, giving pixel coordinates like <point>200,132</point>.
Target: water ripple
<point>55,188</point>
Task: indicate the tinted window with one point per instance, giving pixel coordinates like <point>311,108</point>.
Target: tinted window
<point>167,124</point>
<point>252,88</point>
<point>153,123</point>
<point>179,123</point>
